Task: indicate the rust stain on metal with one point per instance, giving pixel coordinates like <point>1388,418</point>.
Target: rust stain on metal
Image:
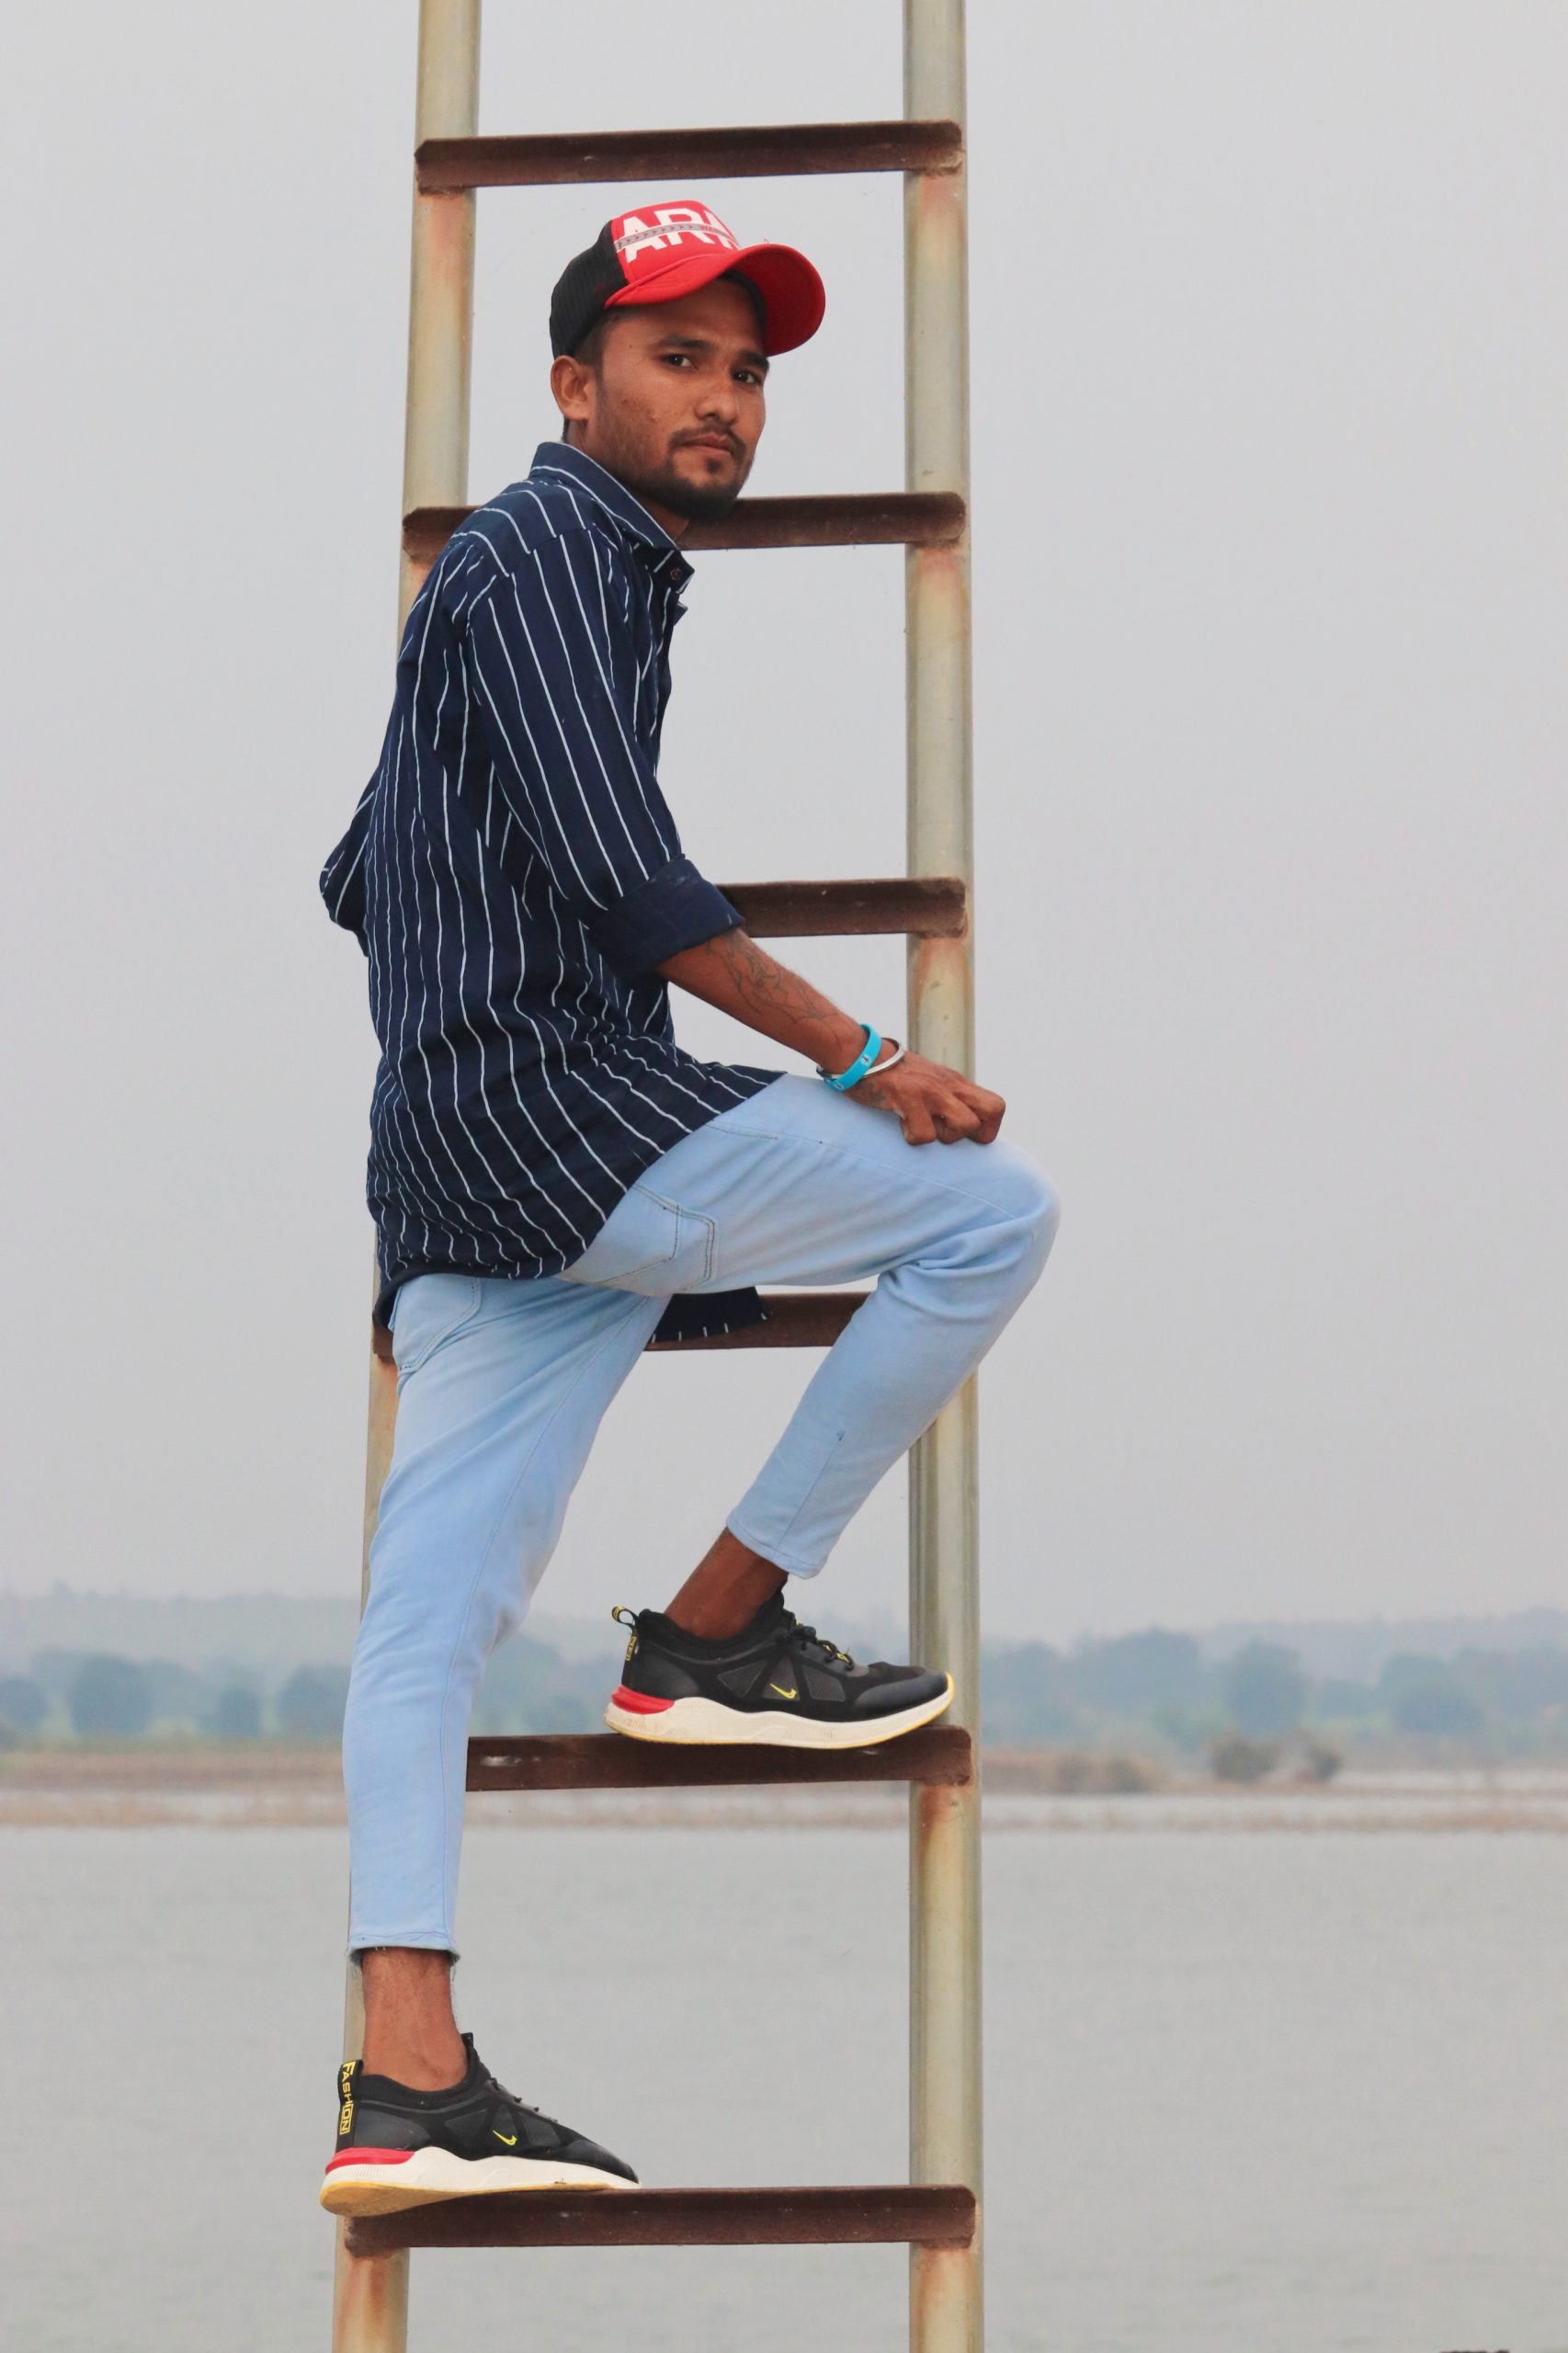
<point>932,2214</point>
<point>930,1811</point>
<point>938,988</point>
<point>943,2294</point>
<point>761,149</point>
<point>939,1754</point>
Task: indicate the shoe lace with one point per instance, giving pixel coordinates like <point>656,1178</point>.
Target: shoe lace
<point>798,1636</point>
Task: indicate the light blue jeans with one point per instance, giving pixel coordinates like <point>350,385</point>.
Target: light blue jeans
<point>502,1385</point>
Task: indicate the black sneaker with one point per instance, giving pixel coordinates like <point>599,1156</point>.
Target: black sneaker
<point>397,2147</point>
<point>777,1683</point>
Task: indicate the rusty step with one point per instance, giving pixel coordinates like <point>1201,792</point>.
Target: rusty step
<point>768,150</point>
<point>925,906</point>
<point>896,2213</point>
<point>919,518</point>
<point>938,1755</point>
<point>796,1319</point>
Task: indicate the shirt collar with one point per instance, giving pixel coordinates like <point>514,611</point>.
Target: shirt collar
<point>559,459</point>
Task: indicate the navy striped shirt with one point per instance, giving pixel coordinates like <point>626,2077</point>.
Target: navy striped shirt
<point>514,876</point>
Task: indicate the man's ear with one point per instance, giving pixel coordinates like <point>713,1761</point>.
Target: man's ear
<point>569,381</point>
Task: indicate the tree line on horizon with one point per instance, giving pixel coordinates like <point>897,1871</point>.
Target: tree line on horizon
<point>1157,1688</point>
<point>1511,1701</point>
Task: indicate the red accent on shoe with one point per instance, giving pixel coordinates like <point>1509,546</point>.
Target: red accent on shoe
<point>637,1703</point>
<point>370,2158</point>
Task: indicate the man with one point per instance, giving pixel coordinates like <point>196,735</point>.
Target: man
<point>554,1180</point>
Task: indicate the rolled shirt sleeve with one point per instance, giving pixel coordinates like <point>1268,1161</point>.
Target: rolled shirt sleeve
<point>674,908</point>
<point>555,668</point>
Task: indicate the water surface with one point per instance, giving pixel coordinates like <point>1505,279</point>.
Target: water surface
<point>1272,2090</point>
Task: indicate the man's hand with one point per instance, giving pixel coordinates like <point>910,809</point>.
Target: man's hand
<point>932,1104</point>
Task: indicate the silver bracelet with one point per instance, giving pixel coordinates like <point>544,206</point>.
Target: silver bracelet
<point>870,1069</point>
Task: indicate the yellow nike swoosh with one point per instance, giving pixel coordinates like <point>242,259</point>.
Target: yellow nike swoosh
<point>509,2138</point>
<point>791,1693</point>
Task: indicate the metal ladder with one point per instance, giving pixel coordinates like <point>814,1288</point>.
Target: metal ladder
<point>937,2213</point>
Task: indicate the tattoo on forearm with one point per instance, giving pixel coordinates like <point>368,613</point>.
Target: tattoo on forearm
<point>763,988</point>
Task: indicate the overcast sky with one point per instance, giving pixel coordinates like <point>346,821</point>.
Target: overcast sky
<point>1270,547</point>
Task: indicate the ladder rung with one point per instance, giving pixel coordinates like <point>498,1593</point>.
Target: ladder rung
<point>875,518</point>
<point>938,1755</point>
<point>896,2213</point>
<point>923,518</point>
<point>768,151</point>
<point>927,906</point>
<point>796,1319</point>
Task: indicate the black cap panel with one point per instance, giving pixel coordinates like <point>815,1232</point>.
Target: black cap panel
<point>583,288</point>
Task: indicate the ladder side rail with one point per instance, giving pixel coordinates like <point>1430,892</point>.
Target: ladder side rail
<point>945,2072</point>
<point>371,2291</point>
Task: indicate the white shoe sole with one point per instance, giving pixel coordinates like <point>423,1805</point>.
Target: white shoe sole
<point>699,1723</point>
<point>432,2174</point>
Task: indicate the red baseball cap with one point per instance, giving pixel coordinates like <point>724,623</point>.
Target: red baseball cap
<point>663,251</point>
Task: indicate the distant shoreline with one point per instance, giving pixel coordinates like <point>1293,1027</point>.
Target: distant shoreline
<point>282,1785</point>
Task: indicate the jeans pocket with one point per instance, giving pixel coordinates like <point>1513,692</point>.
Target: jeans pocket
<point>428,1311</point>
<point>647,1244</point>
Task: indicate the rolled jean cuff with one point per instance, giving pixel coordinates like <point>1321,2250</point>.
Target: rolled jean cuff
<point>794,1564</point>
<point>676,907</point>
<point>402,1939</point>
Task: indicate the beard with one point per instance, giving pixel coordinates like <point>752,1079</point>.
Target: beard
<point>699,502</point>
<point>667,487</point>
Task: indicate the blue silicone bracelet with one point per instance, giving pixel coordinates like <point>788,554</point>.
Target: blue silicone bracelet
<point>861,1063</point>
